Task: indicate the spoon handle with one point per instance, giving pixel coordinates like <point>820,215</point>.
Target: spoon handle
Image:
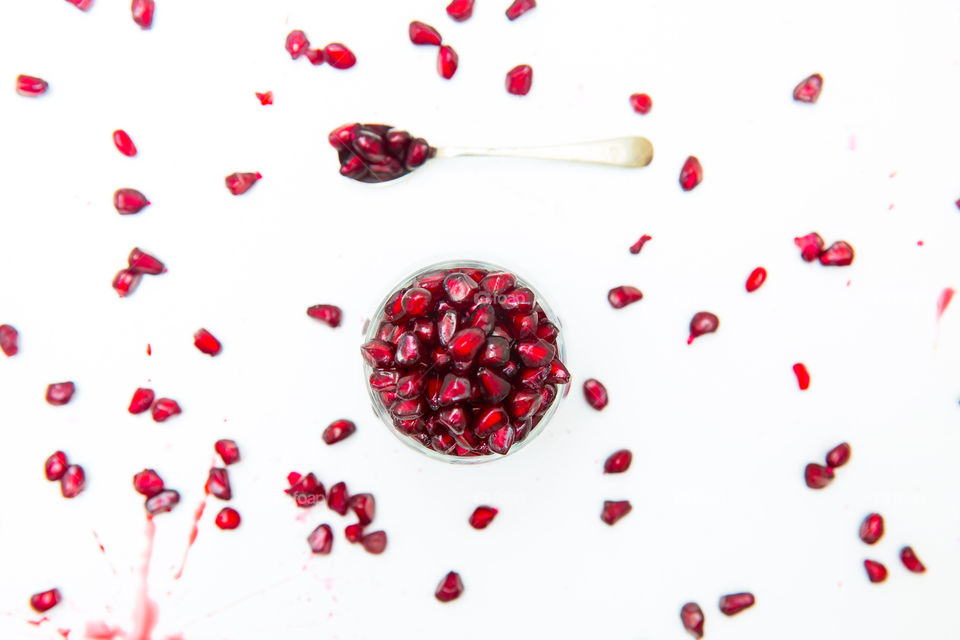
<point>631,151</point>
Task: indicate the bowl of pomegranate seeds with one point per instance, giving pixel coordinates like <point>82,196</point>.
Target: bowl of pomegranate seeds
<point>464,361</point>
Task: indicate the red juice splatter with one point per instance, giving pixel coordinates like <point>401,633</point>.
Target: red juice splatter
<point>149,350</point>
<point>944,301</point>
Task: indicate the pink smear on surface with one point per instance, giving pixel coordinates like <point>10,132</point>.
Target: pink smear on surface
<point>194,530</point>
<point>852,143</point>
<point>944,301</point>
<point>145,609</point>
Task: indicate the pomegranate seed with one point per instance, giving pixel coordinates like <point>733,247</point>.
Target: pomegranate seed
<point>338,56</point>
<point>876,572</point>
<point>701,323</point>
<point>140,262</point>
<point>129,201</point>
<point>142,11</point>
<point>803,376</point>
<point>620,297</point>
<point>8,340</point>
<point>296,43</point>
<point>421,33</point>
<point>73,481</point>
<point>871,529</point>
<point>638,245</point>
<point>595,393</point>
<point>459,288</point>
<point>363,505</point>
<point>809,89</point>
<point>338,430</point>
<point>83,5</point>
<point>839,254</point>
<point>535,354</point>
<point>265,98</point>
<point>59,393</point>
<point>519,80</point>
<point>691,174</point>
<point>558,373</point>
<point>618,462</point>
<point>45,600</point>
<point>165,408</point>
<point>454,418</point>
<point>756,279</point>
<point>838,456</point>
<point>228,450</point>
<point>353,532</point>
<point>124,144</point>
<point>498,283</point>
<point>147,483</point>
<point>315,56</point>
<point>482,516</point>
<point>55,466</point>
<point>206,342</point>
<point>911,561</point>
<point>447,61</point>
<point>451,586</point>
<point>691,615</point>
<point>409,386</point>
<point>378,353</point>
<point>416,301</point>
<point>321,539</point>
<point>734,603</point>
<point>306,490</point>
<point>218,484</point>
<point>30,86</point>
<point>228,519</point>
<point>811,246</point>
<point>328,313</point>
<point>613,510</point>
<point>374,542</point>
<point>520,7</point>
<point>126,282</point>
<point>163,502</point>
<point>409,349</point>
<point>641,103</point>
<point>817,476</point>
<point>141,401</point>
<point>240,183</point>
<point>501,440</point>
<point>460,10</point>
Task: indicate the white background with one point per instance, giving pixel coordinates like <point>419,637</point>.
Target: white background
<point>719,431</point>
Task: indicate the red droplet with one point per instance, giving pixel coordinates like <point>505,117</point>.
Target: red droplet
<point>911,561</point>
<point>519,7</point>
<point>817,476</point>
<point>59,393</point>
<point>124,144</point>
<point>55,466</point>
<point>73,481</point>
<point>839,254</point>
<point>339,56</point>
<point>943,301</point>
<point>809,89</point>
<point>228,450</point>
<point>265,98</point>
<point>228,519</point>
<point>140,262</point>
<point>218,483</point>
<point>460,10</point>
<point>142,11</point>
<point>141,401</point>
<point>803,376</point>
<point>691,615</point>
<point>45,600</point>
<point>876,572</point>
<point>338,430</point>
<point>83,5</point>
<point>374,542</point>
<point>8,340</point>
<point>129,201</point>
<point>447,61</point>
<point>595,393</point>
<point>613,510</point>
<point>321,539</point>
<point>734,603</point>
<point>811,246</point>
<point>619,297</point>
<point>691,174</point>
<point>422,33</point>
<point>638,245</point>
<point>353,532</point>
<point>31,86</point>
<point>838,456</point>
<point>338,498</point>
<point>364,506</point>
<point>206,342</point>
<point>871,529</point>
<point>482,516</point>
<point>240,183</point>
<point>148,483</point>
<point>520,79</point>
<point>641,103</point>
<point>165,408</point>
<point>702,322</point>
<point>296,43</point>
<point>449,588</point>
<point>756,279</point>
<point>618,462</point>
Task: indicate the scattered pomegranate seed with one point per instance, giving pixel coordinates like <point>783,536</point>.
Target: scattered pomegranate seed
<point>756,279</point>
<point>619,297</point>
<point>520,79</point>
<point>240,183</point>
<point>809,89</point>
<point>595,393</point>
<point>140,262</point>
<point>338,430</point>
<point>228,450</point>
<point>703,322</point>
<point>73,481</point>
<point>447,61</point>
<point>59,393</point>
<point>218,484</point>
<point>126,282</point>
<point>142,11</point>
<point>838,456</point>
<point>315,56</point>
<point>839,254</point>
<point>30,86</point>
<point>520,7</point>
<point>165,408</point>
<point>338,498</point>
<point>328,313</point>
<point>305,490</point>
<point>943,301</point>
<point>141,401</point>
<point>363,505</point>
<point>296,43</point>
<point>638,245</point>
<point>55,466</point>
<point>641,103</point>
<point>422,33</point>
<point>691,615</point>
<point>265,98</point>
<point>45,600</point>
<point>124,144</point>
<point>811,246</point>
<point>460,10</point>
<point>83,5</point>
<point>8,340</point>
<point>803,376</point>
<point>163,502</point>
<point>734,603</point>
<point>817,476</point>
<point>338,56</point>
<point>375,542</point>
<point>691,174</point>
<point>482,516</point>
<point>353,532</point>
<point>449,588</point>
<point>613,510</point>
<point>871,529</point>
<point>378,153</point>
<point>206,342</point>
<point>911,561</point>
<point>129,201</point>
<point>148,483</point>
<point>227,519</point>
<point>876,572</point>
<point>321,539</point>
<point>618,462</point>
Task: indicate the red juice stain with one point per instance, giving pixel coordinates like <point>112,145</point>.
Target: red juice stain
<point>149,350</point>
<point>944,301</point>
<point>919,243</point>
<point>803,377</point>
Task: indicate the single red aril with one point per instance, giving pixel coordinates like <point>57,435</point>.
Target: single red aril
<point>558,373</point>
<point>265,98</point>
<point>638,245</point>
<point>482,516</point>
<point>240,183</point>
<point>447,61</point>
<point>911,561</point>
<point>498,282</point>
<point>409,386</point>
<point>124,144</point>
<point>641,103</point>
<point>811,246</point>
<point>353,532</point>
<point>876,572</point>
<point>374,542</point>
<point>165,408</point>
<point>533,378</point>
<point>809,89</point>
<point>163,502</point>
<point>519,300</point>
<point>321,539</point>
<point>691,174</point>
<point>306,491</point>
<point>495,353</point>
<point>142,11</point>
<point>364,506</point>
<point>228,519</point>
<point>691,615</point>
<point>454,418</point>
<point>535,353</point>
<point>871,529</point>
<point>228,450</point>
<point>141,401</point>
<point>619,297</point>
<point>459,289</point>
<point>701,323</point>
<point>618,462</point>
<point>331,314</point>
<point>383,380</point>
<point>31,86</point>
<point>59,393</point>
<point>73,481</point>
<point>443,442</point>
<point>409,349</point>
<point>126,282</point>
<point>520,7</point>
<point>148,483</point>
<point>502,439</point>
<point>803,376</point>
<point>141,262</point>
<point>339,56</point>
<point>519,80</point>
<point>838,456</point>
<point>613,510</point>
<point>315,56</point>
<point>734,603</point>
<point>817,476</point>
<point>595,393</point>
<point>490,419</point>
<point>8,340</point>
<point>493,387</point>
<point>83,5</point>
<point>218,484</point>
<point>297,43</point>
<point>45,600</point>
<point>460,10</point>
<point>756,279</point>
<point>455,389</point>
<point>422,33</point>
<point>129,201</point>
<point>338,430</point>
<point>449,588</point>
<point>839,254</point>
<point>378,353</point>
<point>55,466</point>
<point>432,281</point>
<point>416,301</point>
<point>407,409</point>
<point>206,342</point>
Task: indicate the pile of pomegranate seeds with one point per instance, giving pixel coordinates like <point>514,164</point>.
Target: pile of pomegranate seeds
<point>449,588</point>
<point>619,297</point>
<point>691,174</point>
<point>423,34</point>
<point>142,11</point>
<point>703,322</point>
<point>638,245</point>
<point>756,279</point>
<point>803,376</point>
<point>338,430</point>
<point>206,342</point>
<point>227,519</point>
<point>240,183</point>
<point>613,510</point>
<point>519,80</point>
<point>735,603</point>
<point>334,54</point>
<point>129,201</point>
<point>71,476</point>
<point>911,561</point>
<point>60,393</point>
<point>595,393</point>
<point>482,516</point>
<point>818,476</point>
<point>378,152</point>
<point>447,61</point>
<point>163,408</point>
<point>265,98</point>
<point>8,340</point>
<point>618,462</point>
<point>876,572</point>
<point>45,600</point>
<point>839,254</point>
<point>327,313</point>
<point>871,529</point>
<point>809,89</point>
<point>30,86</point>
<point>228,451</point>
<point>519,7</point>
<point>307,491</point>
<point>460,10</point>
<point>641,103</point>
<point>124,144</point>
<point>691,615</point>
<point>139,263</point>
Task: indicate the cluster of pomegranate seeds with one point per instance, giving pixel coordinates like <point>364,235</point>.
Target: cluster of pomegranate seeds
<point>809,89</point>
<point>378,152</point>
<point>206,342</point>
<point>641,103</point>
<point>308,491</point>
<point>60,393</point>
<point>519,80</point>
<point>447,61</point>
<point>227,519</point>
<point>141,401</point>
<point>124,143</point>
<point>129,201</point>
<point>703,322</point>
<point>691,174</point>
<point>911,561</point>
<point>803,376</point>
<point>619,297</point>
<point>482,516</point>
<point>818,476</point>
<point>838,254</point>
<point>147,483</point>
<point>423,34</point>
<point>734,603</point>
<point>163,408</point>
<point>595,393</point>
<point>265,98</point>
<point>228,451</point>
<point>691,615</point>
<point>335,54</point>
<point>328,313</point>
<point>756,279</point>
<point>240,183</point>
<point>876,572</point>
<point>638,245</point>
<point>618,461</point>
<point>31,86</point>
<point>871,529</point>
<point>338,430</point>
<point>71,476</point>
<point>139,263</point>
<point>460,10</point>
<point>45,600</point>
<point>449,588</point>
<point>520,7</point>
<point>142,11</point>
<point>8,340</point>
<point>613,510</point>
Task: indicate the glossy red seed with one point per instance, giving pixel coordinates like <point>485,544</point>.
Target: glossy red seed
<point>498,282</point>
<point>595,393</point>
<point>228,450</point>
<point>140,262</point>
<point>227,519</point>
<point>455,389</point>
<point>839,254</point>
<point>124,144</point>
<point>447,61</point>
<point>811,246</point>
<point>691,174</point>
<point>126,282</point>
<point>339,56</point>
<point>416,301</point>
<point>803,376</point>
<point>558,373</point>
<point>876,572</point>
<point>165,408</point>
<point>613,510</point>
<point>493,387</point>
<point>703,322</point>
<point>519,300</point>
<point>535,353</point>
<point>328,313</point>
<point>240,183</point>
<point>297,43</point>
<point>409,350</point>
<point>8,340</point>
<point>364,506</point>
<point>378,353</point>
<point>141,401</point>
<point>129,201</point>
<point>871,529</point>
<point>460,10</point>
<point>45,600</point>
<point>734,603</point>
<point>459,289</point>
<point>443,442</point>
<point>809,89</point>
<point>501,440</point>
<point>407,409</point>
<point>482,516</point>
<point>619,297</point>
<point>449,588</point>
<point>756,279</point>
<point>838,456</point>
<point>265,98</point>
<point>454,418</point>
<point>315,56</point>
<point>306,491</point>
<point>338,430</point>
<point>55,466</point>
<point>638,245</point>
<point>218,483</point>
<point>31,86</point>
<point>142,11</point>
<point>691,615</point>
<point>519,80</point>
<point>641,103</point>
<point>520,7</point>
<point>321,539</point>
<point>353,532</point>
<point>59,393</point>
<point>147,483</point>
<point>618,462</point>
<point>73,481</point>
<point>206,342</point>
<point>163,502</point>
<point>422,33</point>
<point>817,476</point>
<point>911,561</point>
<point>374,542</point>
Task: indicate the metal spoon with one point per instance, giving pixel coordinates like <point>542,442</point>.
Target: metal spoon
<point>630,151</point>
